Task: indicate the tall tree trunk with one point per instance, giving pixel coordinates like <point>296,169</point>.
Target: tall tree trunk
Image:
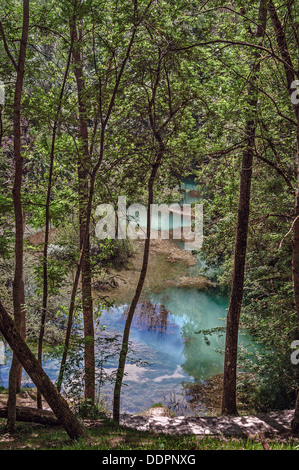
<point>104,123</point>
<point>158,137</point>
<point>15,374</point>
<point>83,191</point>
<point>138,291</point>
<point>282,44</point>
<point>28,360</point>
<point>295,271</point>
<point>142,276</point>
<point>229,398</point>
<point>47,220</point>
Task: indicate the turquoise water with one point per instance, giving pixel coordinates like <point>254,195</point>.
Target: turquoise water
<point>166,349</point>
<point>164,334</point>
<point>169,333</point>
<point>169,346</point>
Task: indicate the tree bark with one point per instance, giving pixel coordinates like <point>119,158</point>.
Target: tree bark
<point>131,312</point>
<point>229,396</point>
<point>32,415</point>
<point>83,191</point>
<point>290,78</point>
<point>295,272</point>
<point>28,360</point>
<point>290,74</point>
<point>229,405</point>
<point>47,221</point>
<point>15,374</point>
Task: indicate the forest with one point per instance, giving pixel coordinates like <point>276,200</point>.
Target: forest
<point>109,110</point>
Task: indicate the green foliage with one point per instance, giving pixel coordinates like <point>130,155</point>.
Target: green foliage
<point>196,96</point>
<point>57,273</point>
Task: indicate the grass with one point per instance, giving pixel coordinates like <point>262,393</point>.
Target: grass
<point>109,436</point>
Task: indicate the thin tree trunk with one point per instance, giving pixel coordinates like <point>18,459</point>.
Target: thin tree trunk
<point>157,136</point>
<point>142,276</point>
<point>295,271</point>
<point>83,190</point>
<point>104,123</point>
<point>47,221</point>
<point>229,405</point>
<point>131,312</point>
<point>290,78</point>
<point>28,360</point>
<point>70,320</point>
<point>282,44</point>
<point>15,374</point>
<point>229,398</point>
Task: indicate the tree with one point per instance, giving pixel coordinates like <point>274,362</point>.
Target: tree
<point>59,406</point>
<point>47,213</point>
<point>159,121</point>
<point>18,286</point>
<point>229,405</point>
<point>84,160</point>
<point>106,92</point>
<point>290,74</point>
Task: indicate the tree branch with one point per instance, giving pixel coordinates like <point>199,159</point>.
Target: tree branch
<point>9,54</point>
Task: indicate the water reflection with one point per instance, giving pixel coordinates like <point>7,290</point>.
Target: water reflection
<point>164,333</point>
<point>166,348</point>
<point>150,317</point>
<point>194,311</point>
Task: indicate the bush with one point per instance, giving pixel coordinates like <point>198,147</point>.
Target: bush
<point>270,382</point>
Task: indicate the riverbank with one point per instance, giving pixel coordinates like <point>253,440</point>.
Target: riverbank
<point>154,424</point>
<point>157,429</point>
<point>168,267</point>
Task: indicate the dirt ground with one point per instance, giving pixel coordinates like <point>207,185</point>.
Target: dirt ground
<point>24,398</point>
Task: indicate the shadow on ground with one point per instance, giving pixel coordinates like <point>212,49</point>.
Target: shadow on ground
<point>266,424</point>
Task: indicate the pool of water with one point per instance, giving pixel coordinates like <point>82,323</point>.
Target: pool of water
<point>169,347</point>
<point>180,333</point>
<point>177,337</point>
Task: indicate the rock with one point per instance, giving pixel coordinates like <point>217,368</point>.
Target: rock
<point>157,411</point>
<point>58,251</point>
<point>199,282</point>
